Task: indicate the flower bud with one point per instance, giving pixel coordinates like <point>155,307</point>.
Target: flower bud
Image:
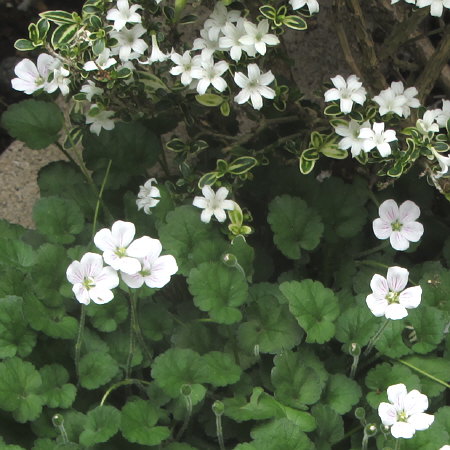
<point>218,408</point>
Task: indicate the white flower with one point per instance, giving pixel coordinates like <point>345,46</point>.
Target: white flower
<point>313,5</point>
<point>123,14</point>
<point>92,281</point>
<point>102,62</point>
<point>31,78</point>
<point>128,40</point>
<point>208,43</point>
<point>157,55</point>
<point>445,447</point>
<point>350,133</point>
<point>444,163</point>
<point>155,271</point>
<point>254,87</point>
<point>397,99</point>
<point>99,119</point>
<point>437,6</point>
<point>346,92</point>
<point>119,249</point>
<point>389,297</point>
<point>427,124</point>
<point>377,137</point>
<point>90,89</point>
<point>211,73</point>
<point>405,412</point>
<point>187,66</point>
<point>148,196</point>
<point>409,95</point>
<point>221,17</point>
<point>398,223</point>
<point>444,114</point>
<point>230,40</point>
<point>213,203</point>
<point>258,37</point>
<point>60,80</point>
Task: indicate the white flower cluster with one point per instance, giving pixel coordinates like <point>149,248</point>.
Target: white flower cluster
<point>148,196</point>
<point>436,6</point>
<point>364,137</point>
<point>49,75</point>
<point>227,31</point>
<point>137,260</point>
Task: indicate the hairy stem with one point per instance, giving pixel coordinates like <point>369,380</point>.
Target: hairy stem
<point>375,338</point>
<point>79,341</point>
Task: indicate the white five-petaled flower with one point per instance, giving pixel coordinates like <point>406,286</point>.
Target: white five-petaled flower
<point>119,249</point>
<point>350,133</point>
<point>187,66</point>
<point>397,99</point>
<point>427,124</point>
<point>254,87</point>
<point>258,36</point>
<point>443,114</point>
<point>90,89</point>
<point>31,78</point>
<point>313,5</point>
<point>124,14</point>
<point>60,81</point>
<point>92,281</point>
<point>347,92</point>
<point>221,17</point>
<point>208,43</point>
<point>437,6</point>
<point>398,223</point>
<point>213,203</point>
<point>128,40</point>
<point>148,196</point>
<point>405,412</point>
<point>377,137</point>
<point>389,297</point>
<point>102,62</point>
<point>210,73</point>
<point>230,41</point>
<point>155,270</point>
<point>98,119</point>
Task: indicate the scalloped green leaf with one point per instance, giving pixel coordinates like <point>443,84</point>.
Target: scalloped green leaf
<point>330,426</point>
<point>19,389</point>
<point>34,122</point>
<point>58,219</point>
<point>295,225</point>
<point>101,424</point>
<point>220,369</point>
<point>356,325</point>
<point>341,393</point>
<point>97,369</point>
<point>55,389</point>
<point>314,306</point>
<point>428,323</point>
<point>137,423</point>
<point>16,253</point>
<point>218,290</point>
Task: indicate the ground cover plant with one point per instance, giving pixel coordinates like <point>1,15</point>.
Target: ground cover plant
<point>222,262</point>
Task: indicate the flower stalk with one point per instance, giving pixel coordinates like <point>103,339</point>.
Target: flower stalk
<point>375,338</point>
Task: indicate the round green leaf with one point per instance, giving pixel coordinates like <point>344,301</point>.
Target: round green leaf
<point>59,219</point>
<point>137,423</point>
<point>341,393</point>
<point>356,325</point>
<point>220,370</point>
<point>102,423</point>
<point>295,225</point>
<point>34,122</point>
<point>314,306</point>
<point>97,369</point>
<point>55,389</point>
<point>219,290</point>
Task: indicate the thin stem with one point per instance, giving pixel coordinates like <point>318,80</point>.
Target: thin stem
<point>137,327</point>
<point>79,340</point>
<point>375,338</point>
<point>425,374</point>
<point>372,250</point>
<point>122,383</point>
<point>219,431</point>
<point>66,154</point>
<point>365,441</point>
<point>99,197</point>
<point>354,366</point>
<point>369,262</point>
<point>397,444</point>
<point>187,418</point>
<point>132,344</point>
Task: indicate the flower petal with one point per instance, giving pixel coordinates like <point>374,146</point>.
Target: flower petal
<point>379,286</point>
<point>411,297</point>
<point>381,228</point>
<point>421,421</point>
<point>398,241</point>
<point>415,402</point>
<point>376,305</point>
<point>396,393</point>
<point>123,233</point>
<point>389,211</point>
<point>402,430</point>
<point>408,211</point>
<point>397,278</point>
<point>395,311</point>
<point>387,413</point>
<point>412,231</point>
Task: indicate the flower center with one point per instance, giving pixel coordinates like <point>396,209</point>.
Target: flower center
<point>402,416</point>
<point>392,297</point>
<point>145,272</point>
<point>88,283</point>
<point>121,252</point>
<point>396,226</point>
